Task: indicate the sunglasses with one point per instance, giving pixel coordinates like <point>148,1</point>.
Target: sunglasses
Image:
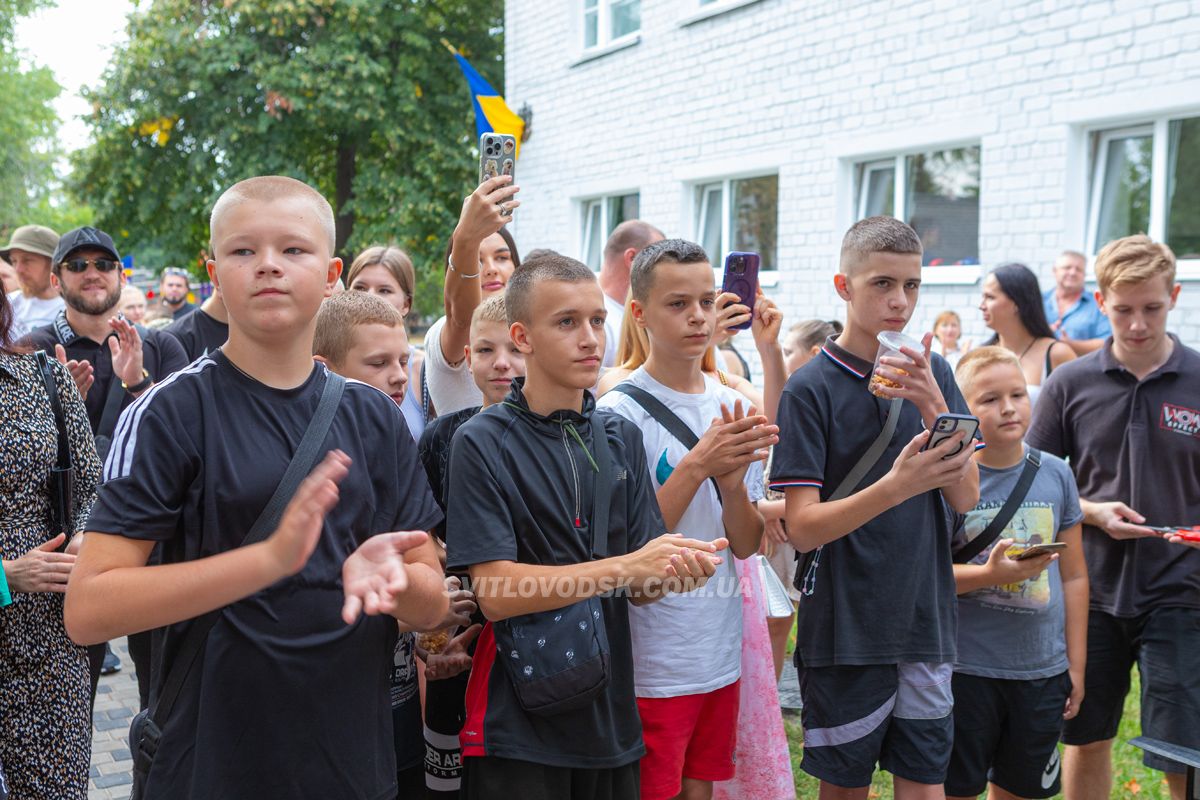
<point>81,264</point>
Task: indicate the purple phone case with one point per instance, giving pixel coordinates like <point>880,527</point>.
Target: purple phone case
<point>744,283</point>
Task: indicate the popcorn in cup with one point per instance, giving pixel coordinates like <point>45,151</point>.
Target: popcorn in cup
<point>890,343</point>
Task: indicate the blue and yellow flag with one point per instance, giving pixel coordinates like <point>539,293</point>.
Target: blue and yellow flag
<point>492,115</point>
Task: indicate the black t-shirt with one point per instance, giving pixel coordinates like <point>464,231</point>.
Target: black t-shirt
<point>183,311</point>
<point>1137,442</point>
<point>516,498</point>
<point>198,333</point>
<point>286,700</point>
<point>161,356</point>
<point>434,451</point>
<point>884,593</point>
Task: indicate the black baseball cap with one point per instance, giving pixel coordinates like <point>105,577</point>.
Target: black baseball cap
<point>78,239</point>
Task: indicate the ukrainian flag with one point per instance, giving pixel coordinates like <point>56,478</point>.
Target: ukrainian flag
<point>492,115</point>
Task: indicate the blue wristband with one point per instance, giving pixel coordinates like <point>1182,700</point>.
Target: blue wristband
<point>5,595</point>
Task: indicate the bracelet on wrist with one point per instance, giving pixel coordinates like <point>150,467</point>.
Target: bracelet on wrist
<point>450,266</point>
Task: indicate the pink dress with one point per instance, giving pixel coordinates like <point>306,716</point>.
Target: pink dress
<point>764,767</point>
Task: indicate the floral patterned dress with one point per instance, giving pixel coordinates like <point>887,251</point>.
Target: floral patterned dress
<point>45,687</point>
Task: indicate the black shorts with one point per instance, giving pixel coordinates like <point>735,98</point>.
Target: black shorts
<point>1165,644</point>
<point>1006,732</point>
<point>489,777</point>
<point>896,715</point>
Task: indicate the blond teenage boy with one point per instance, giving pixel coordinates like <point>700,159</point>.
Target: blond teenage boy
<point>362,337</point>
<point>1125,416</point>
<point>875,641</point>
<point>289,696</point>
<point>1022,624</point>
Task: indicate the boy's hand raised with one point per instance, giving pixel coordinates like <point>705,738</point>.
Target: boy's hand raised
<point>731,311</point>
<point>767,323</point>
<point>1004,570</point>
<point>374,575</point>
<point>487,209</point>
<point>300,527</point>
<point>918,386</point>
<point>731,444</point>
<point>915,472</point>
<point>665,557</point>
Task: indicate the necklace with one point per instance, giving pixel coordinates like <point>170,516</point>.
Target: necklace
<point>1027,348</point>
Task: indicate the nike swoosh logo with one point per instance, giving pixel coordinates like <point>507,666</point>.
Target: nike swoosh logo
<point>1050,774</point>
<point>663,470</point>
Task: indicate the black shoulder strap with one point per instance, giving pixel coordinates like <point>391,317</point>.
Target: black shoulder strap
<point>602,489</point>
<point>64,448</point>
<point>301,464</point>
<point>1033,461</point>
<point>1048,366</point>
<point>112,408</point>
<point>663,416</point>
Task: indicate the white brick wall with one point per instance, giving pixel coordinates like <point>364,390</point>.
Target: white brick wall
<point>808,87</point>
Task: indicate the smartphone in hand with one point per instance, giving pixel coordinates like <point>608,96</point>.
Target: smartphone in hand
<point>497,155</point>
<point>741,278</point>
<point>1035,550</point>
<point>946,425</point>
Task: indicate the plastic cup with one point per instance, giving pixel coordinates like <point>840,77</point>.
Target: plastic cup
<point>890,343</point>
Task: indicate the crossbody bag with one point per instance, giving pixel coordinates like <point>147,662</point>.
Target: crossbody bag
<point>1033,462</point>
<point>62,475</point>
<point>145,732</point>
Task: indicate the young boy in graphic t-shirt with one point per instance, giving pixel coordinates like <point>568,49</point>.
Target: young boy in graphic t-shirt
<point>523,480</point>
<point>687,648</point>
<point>494,361</point>
<point>875,641</point>
<point>1022,624</point>
<point>290,695</point>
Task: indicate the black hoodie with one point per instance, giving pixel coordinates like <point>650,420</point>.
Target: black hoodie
<point>520,489</point>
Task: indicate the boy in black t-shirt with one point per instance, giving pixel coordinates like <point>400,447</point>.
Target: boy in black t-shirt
<point>876,628</point>
<point>290,696</point>
<point>494,361</point>
<point>522,479</point>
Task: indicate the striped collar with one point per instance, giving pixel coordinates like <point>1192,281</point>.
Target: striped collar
<point>845,359</point>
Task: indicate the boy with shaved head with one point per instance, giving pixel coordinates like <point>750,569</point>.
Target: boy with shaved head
<point>875,643</point>
<point>531,482</point>
<point>288,695</point>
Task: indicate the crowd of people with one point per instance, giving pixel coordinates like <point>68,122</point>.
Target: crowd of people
<point>535,555</point>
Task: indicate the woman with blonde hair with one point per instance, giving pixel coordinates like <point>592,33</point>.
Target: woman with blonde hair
<point>387,271</point>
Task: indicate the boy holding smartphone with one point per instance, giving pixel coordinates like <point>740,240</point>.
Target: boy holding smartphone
<point>876,632</point>
<point>1022,624</point>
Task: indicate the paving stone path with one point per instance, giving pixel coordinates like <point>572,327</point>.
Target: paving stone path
<point>116,703</point>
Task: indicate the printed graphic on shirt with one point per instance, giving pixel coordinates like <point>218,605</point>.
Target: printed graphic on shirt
<point>663,470</point>
<point>1032,524</point>
<point>404,671</point>
<point>1180,419</point>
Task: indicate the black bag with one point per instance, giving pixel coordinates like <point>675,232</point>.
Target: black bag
<point>1033,462</point>
<point>558,661</point>
<point>62,474</point>
<point>145,731</point>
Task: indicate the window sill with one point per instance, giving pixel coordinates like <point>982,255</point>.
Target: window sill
<point>966,275</point>
<point>713,10</point>
<point>1187,270</point>
<point>768,279</point>
<point>592,53</point>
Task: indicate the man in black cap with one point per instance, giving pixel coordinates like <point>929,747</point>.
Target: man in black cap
<point>112,360</point>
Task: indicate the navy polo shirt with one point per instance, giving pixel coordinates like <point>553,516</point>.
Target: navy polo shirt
<point>884,593</point>
<point>1137,442</point>
<point>1084,320</point>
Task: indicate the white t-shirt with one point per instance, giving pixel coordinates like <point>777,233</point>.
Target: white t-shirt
<point>450,388</point>
<point>612,330</point>
<point>32,312</point>
<point>687,643</point>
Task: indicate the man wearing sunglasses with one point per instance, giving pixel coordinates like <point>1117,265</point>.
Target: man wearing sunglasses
<point>112,361</point>
<point>173,290</point>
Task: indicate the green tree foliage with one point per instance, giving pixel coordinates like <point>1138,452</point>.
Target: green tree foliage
<point>356,97</point>
<point>27,129</point>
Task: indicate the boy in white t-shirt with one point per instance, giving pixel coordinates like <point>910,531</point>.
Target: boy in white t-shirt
<point>687,647</point>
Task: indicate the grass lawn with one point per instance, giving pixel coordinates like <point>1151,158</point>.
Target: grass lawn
<point>1130,778</point>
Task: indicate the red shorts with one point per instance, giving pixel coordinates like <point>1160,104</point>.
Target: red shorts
<point>692,736</point>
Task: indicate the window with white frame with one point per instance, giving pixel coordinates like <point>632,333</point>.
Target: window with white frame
<point>936,192</point>
<point>606,21</point>
<point>1146,179</point>
<point>600,216</point>
<point>738,214</point>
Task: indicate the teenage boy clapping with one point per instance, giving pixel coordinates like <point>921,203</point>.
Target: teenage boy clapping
<point>289,697</point>
<point>521,483</point>
<point>875,643</point>
<point>687,649</point>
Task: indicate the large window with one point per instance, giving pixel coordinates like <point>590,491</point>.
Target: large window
<point>600,216</point>
<point>739,214</point>
<point>936,192</point>
<point>1146,179</point>
<point>606,21</point>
